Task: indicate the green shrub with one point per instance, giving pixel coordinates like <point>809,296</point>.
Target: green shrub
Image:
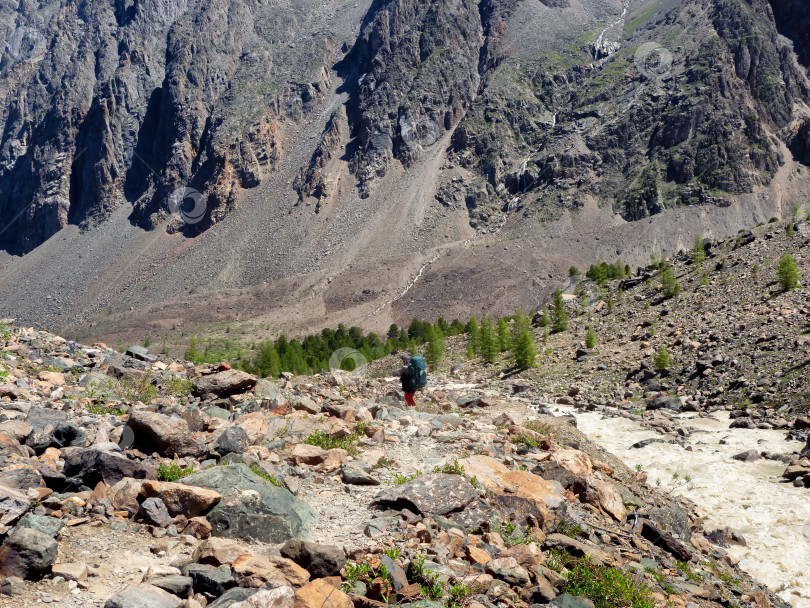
<point>606,587</point>
<point>662,359</point>
<point>788,272</point>
<point>323,440</point>
<point>400,479</point>
<point>265,475</point>
<point>173,472</point>
<point>178,387</point>
<point>451,468</point>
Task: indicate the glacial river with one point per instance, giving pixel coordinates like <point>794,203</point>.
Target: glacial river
<point>774,517</point>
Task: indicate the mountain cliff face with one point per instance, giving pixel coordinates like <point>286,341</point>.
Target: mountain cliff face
<point>121,103</point>
<point>432,124</point>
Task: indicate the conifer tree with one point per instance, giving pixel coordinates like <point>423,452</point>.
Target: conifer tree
<point>788,272</point>
<point>504,339</point>
<point>488,342</point>
<point>669,284</point>
<point>474,335</point>
<point>193,352</point>
<point>434,353</point>
<point>590,338</point>
<point>559,316</point>
<point>524,351</point>
<point>698,252</point>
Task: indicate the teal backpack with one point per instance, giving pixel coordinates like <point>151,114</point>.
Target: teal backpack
<point>418,374</point>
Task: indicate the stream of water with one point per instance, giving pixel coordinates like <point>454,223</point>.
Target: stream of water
<point>750,497</point>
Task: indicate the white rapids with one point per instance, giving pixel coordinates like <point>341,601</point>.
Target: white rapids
<point>774,517</point>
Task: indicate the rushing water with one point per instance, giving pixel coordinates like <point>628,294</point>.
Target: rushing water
<point>774,517</point>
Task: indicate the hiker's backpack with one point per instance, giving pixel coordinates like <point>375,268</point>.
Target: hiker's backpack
<point>418,373</point>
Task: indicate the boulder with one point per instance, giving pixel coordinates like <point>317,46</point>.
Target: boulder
<point>93,465</point>
<point>125,494</point>
<point>302,453</point>
<point>666,541</point>
<point>153,432</point>
<point>320,594</point>
<point>70,572</point>
<point>252,508</point>
<point>601,494</point>
<point>576,462</point>
<point>319,560</point>
<point>280,597</point>
<point>143,596</point>
<point>154,512</point>
<point>255,425</point>
<point>268,571</point>
<point>217,551</point>
<point>180,498</point>
<point>178,585</point>
<point>41,523</point>
<point>13,505</point>
<point>357,477</point>
<point>672,519</point>
<point>234,440</point>
<point>430,494</point>
<point>520,493</point>
<point>223,384</point>
<point>210,579</point>
<point>21,477</point>
<point>27,553</point>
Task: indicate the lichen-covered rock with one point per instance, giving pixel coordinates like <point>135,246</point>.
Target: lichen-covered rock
<point>430,494</point>
<point>252,508</point>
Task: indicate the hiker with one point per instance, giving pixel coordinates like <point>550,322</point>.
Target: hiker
<point>413,376</point>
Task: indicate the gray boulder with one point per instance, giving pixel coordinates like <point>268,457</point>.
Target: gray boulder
<point>319,560</point>
<point>153,511</point>
<point>431,494</point>
<point>144,596</point>
<point>252,508</point>
<point>223,384</point>
<point>93,464</point>
<point>27,553</point>
<point>234,440</point>
<point>151,432</point>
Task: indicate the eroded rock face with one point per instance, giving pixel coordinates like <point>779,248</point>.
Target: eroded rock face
<point>135,103</point>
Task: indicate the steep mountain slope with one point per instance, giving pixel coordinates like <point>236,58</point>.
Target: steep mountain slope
<point>300,165</point>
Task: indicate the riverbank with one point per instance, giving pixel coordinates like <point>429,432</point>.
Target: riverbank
<point>751,497</point>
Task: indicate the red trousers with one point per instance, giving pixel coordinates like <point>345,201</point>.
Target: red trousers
<point>409,399</point>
